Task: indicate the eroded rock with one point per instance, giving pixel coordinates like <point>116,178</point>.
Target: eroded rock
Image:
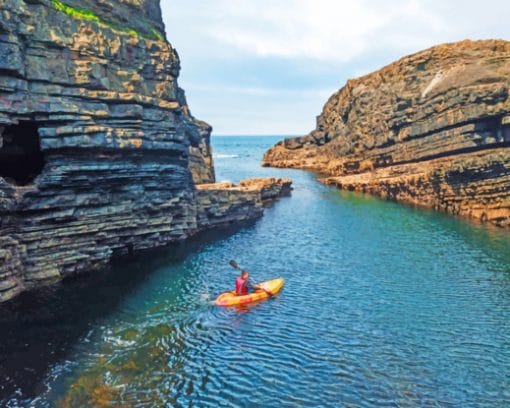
<point>95,82</point>
<point>431,129</point>
<point>226,203</point>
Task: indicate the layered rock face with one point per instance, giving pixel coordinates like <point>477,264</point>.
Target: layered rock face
<point>99,154</point>
<point>432,129</point>
<point>224,203</point>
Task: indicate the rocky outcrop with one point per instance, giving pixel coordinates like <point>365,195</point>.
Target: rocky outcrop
<point>225,203</point>
<point>99,154</point>
<point>432,129</point>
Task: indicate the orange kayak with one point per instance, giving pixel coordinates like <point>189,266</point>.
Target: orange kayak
<point>271,287</point>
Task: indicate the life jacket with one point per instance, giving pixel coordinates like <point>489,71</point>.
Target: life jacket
<point>241,286</point>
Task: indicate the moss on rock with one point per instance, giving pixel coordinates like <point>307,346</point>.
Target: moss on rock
<point>89,15</point>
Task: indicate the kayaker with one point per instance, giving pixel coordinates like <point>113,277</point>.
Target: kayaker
<point>243,284</point>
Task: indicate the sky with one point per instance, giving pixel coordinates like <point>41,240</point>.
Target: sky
<point>267,67</point>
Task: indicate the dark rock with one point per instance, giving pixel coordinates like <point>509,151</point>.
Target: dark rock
<point>225,203</point>
<point>94,84</point>
<point>431,129</point>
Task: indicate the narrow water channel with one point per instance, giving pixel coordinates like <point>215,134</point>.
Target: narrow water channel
<point>383,305</point>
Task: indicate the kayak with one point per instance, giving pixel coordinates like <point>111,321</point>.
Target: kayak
<point>271,287</point>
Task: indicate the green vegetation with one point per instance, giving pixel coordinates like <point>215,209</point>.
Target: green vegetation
<point>157,34</point>
<point>89,15</point>
<point>75,11</point>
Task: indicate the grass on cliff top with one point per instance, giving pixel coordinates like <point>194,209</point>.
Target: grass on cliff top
<point>89,15</point>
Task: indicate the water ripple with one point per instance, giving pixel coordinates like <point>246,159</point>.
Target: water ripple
<point>383,306</point>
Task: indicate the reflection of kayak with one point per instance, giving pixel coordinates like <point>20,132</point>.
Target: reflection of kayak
<point>271,287</point>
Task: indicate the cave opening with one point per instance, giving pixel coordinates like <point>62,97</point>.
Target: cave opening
<point>21,159</point>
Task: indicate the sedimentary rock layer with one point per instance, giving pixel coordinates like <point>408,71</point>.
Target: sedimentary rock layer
<point>225,203</point>
<point>99,154</point>
<point>432,129</point>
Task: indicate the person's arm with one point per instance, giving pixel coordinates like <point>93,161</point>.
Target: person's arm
<point>251,285</point>
<point>260,287</point>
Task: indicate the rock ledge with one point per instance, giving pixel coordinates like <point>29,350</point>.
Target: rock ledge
<point>432,129</point>
<point>99,152</point>
<point>225,203</point>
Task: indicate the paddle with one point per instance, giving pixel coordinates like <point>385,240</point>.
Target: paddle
<point>235,265</point>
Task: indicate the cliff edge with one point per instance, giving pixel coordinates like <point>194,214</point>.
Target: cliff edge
<point>432,129</point>
<point>99,153</point>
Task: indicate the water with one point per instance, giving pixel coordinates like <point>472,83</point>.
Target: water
<point>383,305</point>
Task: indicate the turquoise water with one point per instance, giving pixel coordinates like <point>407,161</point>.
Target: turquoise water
<point>384,305</point>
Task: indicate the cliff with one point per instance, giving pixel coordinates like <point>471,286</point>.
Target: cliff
<point>432,129</point>
<point>224,203</point>
<point>99,154</point>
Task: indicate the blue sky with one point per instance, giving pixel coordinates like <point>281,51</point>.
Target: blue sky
<point>268,66</point>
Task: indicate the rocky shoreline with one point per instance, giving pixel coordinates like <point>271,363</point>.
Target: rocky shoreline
<point>100,156</point>
<point>432,130</point>
<point>225,203</point>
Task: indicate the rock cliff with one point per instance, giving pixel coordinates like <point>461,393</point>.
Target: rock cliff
<point>99,154</point>
<point>432,129</point>
<point>224,203</point>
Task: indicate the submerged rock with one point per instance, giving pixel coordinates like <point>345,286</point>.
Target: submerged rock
<point>99,153</point>
<point>432,129</point>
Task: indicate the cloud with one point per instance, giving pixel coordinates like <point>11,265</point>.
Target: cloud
<point>302,30</point>
<point>268,66</point>
<point>319,29</point>
<point>327,30</point>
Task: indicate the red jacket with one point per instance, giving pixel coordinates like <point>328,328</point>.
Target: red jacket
<point>241,286</point>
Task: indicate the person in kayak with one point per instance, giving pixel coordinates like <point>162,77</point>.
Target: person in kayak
<point>243,284</point>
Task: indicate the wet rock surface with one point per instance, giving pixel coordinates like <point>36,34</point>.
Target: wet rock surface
<point>89,90</point>
<point>432,129</point>
<point>225,203</point>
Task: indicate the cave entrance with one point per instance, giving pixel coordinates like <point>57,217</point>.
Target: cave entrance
<point>21,159</point>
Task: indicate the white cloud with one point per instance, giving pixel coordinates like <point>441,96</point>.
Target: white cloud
<point>328,30</point>
<point>319,29</point>
<point>268,66</point>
